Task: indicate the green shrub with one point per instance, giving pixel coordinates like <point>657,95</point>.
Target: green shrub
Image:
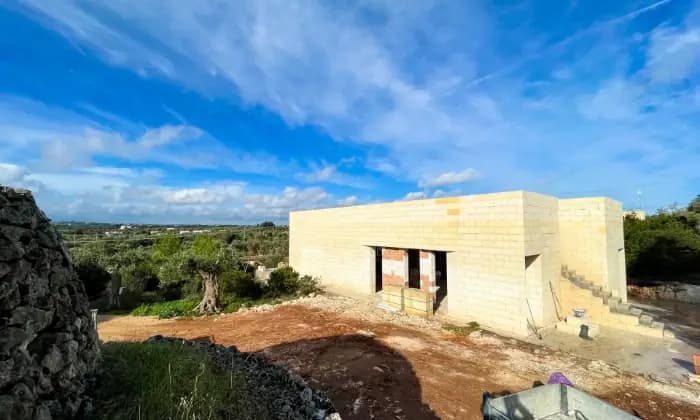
<point>307,285</point>
<point>168,381</point>
<point>93,276</point>
<point>286,282</point>
<point>240,284</point>
<point>283,281</point>
<point>171,309</point>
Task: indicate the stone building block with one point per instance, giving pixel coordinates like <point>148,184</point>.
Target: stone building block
<point>393,296</point>
<point>418,302</point>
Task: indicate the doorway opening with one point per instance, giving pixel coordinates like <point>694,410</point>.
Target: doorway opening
<point>440,276</point>
<point>378,277</point>
<point>414,268</point>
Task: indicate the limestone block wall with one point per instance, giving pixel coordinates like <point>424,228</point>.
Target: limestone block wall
<point>542,267</point>
<point>615,248</point>
<point>484,237</point>
<point>592,241</point>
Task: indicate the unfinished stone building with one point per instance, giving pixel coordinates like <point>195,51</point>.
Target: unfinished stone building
<point>514,261</point>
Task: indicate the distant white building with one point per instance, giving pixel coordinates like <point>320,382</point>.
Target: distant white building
<point>638,214</point>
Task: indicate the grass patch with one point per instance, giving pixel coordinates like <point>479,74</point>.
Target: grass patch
<point>169,309</point>
<point>168,381</point>
<point>462,329</point>
<point>184,307</point>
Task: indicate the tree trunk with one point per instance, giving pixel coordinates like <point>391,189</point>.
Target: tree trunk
<point>210,299</point>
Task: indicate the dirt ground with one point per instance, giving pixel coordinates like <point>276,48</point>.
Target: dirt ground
<point>380,365</point>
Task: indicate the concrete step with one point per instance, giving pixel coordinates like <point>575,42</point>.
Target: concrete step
<point>624,319</point>
<point>646,320</point>
<point>623,314</point>
<point>621,308</point>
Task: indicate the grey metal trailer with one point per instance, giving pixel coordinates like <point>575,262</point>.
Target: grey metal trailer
<point>555,401</point>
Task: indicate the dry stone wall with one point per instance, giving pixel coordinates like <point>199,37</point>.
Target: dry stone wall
<point>48,345</point>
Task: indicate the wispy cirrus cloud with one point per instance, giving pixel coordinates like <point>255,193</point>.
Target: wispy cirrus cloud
<point>426,88</point>
<point>450,178</point>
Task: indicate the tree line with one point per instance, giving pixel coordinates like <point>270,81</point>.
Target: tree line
<point>174,267</point>
<point>665,245</point>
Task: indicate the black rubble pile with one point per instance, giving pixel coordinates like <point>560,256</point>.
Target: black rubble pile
<point>48,345</point>
<point>281,393</point>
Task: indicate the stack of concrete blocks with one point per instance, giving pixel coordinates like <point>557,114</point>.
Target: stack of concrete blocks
<point>392,298</point>
<point>396,294</point>
<point>417,302</point>
<point>486,238</point>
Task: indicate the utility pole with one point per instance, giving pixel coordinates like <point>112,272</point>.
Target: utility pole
<point>639,199</point>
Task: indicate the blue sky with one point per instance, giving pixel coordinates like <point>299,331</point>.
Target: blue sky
<point>237,112</point>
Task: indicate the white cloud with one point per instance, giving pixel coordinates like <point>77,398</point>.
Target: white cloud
<point>673,54</point>
<point>615,100</point>
<point>334,174</point>
<point>348,201</point>
<point>324,173</point>
<point>359,90</point>
<point>10,173</point>
<point>375,83</point>
<point>59,139</point>
<point>203,195</point>
<point>117,195</point>
<point>450,178</point>
<point>415,195</point>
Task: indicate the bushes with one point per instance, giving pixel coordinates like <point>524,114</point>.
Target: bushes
<point>665,243</point>
<point>240,289</point>
<point>240,284</point>
<point>286,281</point>
<point>93,276</point>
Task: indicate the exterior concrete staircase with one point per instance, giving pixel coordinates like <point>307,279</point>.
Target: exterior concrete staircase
<point>605,309</point>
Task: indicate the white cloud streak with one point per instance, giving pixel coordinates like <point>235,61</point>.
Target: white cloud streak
<point>450,178</point>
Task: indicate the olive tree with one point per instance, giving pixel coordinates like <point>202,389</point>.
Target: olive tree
<point>206,260</point>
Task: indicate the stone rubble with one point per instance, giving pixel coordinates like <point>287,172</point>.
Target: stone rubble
<point>48,345</point>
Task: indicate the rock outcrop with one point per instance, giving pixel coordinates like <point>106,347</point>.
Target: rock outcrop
<point>48,345</point>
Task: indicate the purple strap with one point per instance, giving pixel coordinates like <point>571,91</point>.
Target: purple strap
<point>559,378</point>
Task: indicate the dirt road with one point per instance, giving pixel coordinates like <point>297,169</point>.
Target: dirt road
<point>395,367</point>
